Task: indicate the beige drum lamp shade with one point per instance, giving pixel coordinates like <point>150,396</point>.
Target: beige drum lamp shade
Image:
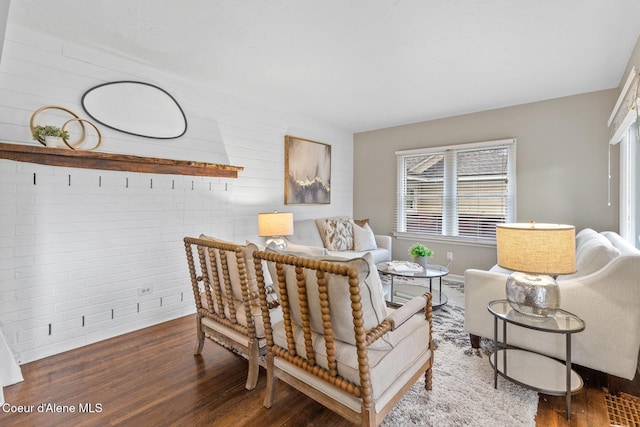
<point>274,225</point>
<point>537,248</point>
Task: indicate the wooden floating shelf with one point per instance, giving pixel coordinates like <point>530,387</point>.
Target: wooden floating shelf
<point>116,162</point>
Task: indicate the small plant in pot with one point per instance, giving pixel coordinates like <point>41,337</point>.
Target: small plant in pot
<point>49,135</point>
<point>420,252</point>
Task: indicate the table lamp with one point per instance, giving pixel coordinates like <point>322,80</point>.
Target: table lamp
<point>537,254</point>
<point>274,225</point>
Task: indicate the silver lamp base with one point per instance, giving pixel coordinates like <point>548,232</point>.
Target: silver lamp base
<point>277,242</point>
<point>533,294</point>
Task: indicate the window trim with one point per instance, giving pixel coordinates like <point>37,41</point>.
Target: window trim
<point>628,197</point>
<point>512,188</point>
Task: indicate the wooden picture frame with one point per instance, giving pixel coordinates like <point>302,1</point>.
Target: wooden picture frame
<point>307,169</point>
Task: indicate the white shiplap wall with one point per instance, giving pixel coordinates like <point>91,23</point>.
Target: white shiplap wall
<point>77,244</point>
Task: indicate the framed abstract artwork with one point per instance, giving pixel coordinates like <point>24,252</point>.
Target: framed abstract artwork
<point>307,167</point>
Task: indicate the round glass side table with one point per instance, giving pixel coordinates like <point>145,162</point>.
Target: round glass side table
<point>529,368</point>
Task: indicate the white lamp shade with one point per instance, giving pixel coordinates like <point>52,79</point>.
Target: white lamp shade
<point>275,224</point>
<point>537,248</point>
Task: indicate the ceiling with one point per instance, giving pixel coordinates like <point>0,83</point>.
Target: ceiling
<point>362,64</point>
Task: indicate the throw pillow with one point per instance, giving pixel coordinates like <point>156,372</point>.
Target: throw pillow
<point>251,268</point>
<point>339,234</point>
<point>361,222</point>
<point>232,265</point>
<point>363,238</point>
<point>374,307</point>
<point>321,225</point>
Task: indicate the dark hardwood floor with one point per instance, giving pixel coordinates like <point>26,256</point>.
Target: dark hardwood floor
<point>151,378</point>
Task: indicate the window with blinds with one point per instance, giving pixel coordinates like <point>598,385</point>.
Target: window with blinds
<point>460,191</point>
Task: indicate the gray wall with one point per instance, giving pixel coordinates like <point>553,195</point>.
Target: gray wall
<point>561,167</point>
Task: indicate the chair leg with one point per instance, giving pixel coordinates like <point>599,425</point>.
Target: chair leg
<point>270,394</point>
<point>199,337</point>
<point>428,375</point>
<point>254,367</point>
<point>368,417</point>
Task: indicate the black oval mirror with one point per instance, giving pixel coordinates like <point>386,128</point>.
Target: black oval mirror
<point>136,108</point>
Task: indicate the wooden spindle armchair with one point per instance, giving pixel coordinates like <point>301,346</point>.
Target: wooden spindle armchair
<point>226,298</point>
<point>337,343</point>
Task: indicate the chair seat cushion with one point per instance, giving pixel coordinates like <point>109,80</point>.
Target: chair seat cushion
<point>230,333</point>
<point>241,316</point>
<point>410,344</point>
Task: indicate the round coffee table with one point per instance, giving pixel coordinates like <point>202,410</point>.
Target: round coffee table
<point>405,290</point>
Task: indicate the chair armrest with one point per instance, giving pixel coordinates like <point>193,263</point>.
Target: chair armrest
<point>397,318</point>
<point>406,312</point>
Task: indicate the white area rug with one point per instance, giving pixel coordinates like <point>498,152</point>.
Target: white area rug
<point>463,393</point>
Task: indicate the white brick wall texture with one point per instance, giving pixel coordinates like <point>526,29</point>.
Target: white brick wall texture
<point>76,245</point>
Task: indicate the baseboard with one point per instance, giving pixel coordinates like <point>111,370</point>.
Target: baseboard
<point>454,278</point>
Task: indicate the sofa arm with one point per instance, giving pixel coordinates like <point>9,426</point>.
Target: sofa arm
<point>480,288</point>
<point>383,242</point>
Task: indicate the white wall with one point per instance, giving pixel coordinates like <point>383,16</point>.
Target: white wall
<point>77,244</point>
<point>4,14</point>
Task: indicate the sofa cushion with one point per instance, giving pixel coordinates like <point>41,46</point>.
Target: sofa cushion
<point>306,250</point>
<point>621,244</point>
<point>593,251</point>
<point>306,233</point>
<point>363,238</point>
<point>378,255</point>
<point>583,236</point>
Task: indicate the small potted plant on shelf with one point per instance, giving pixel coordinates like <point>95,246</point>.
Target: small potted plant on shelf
<point>50,136</point>
<point>420,253</point>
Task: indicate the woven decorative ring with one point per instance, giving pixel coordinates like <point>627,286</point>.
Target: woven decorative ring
<point>77,144</point>
<point>55,107</point>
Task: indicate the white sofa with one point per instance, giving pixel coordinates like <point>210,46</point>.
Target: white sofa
<point>309,233</point>
<point>604,292</point>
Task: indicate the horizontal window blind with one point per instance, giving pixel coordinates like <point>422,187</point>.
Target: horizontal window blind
<point>461,191</point>
<point>423,193</point>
